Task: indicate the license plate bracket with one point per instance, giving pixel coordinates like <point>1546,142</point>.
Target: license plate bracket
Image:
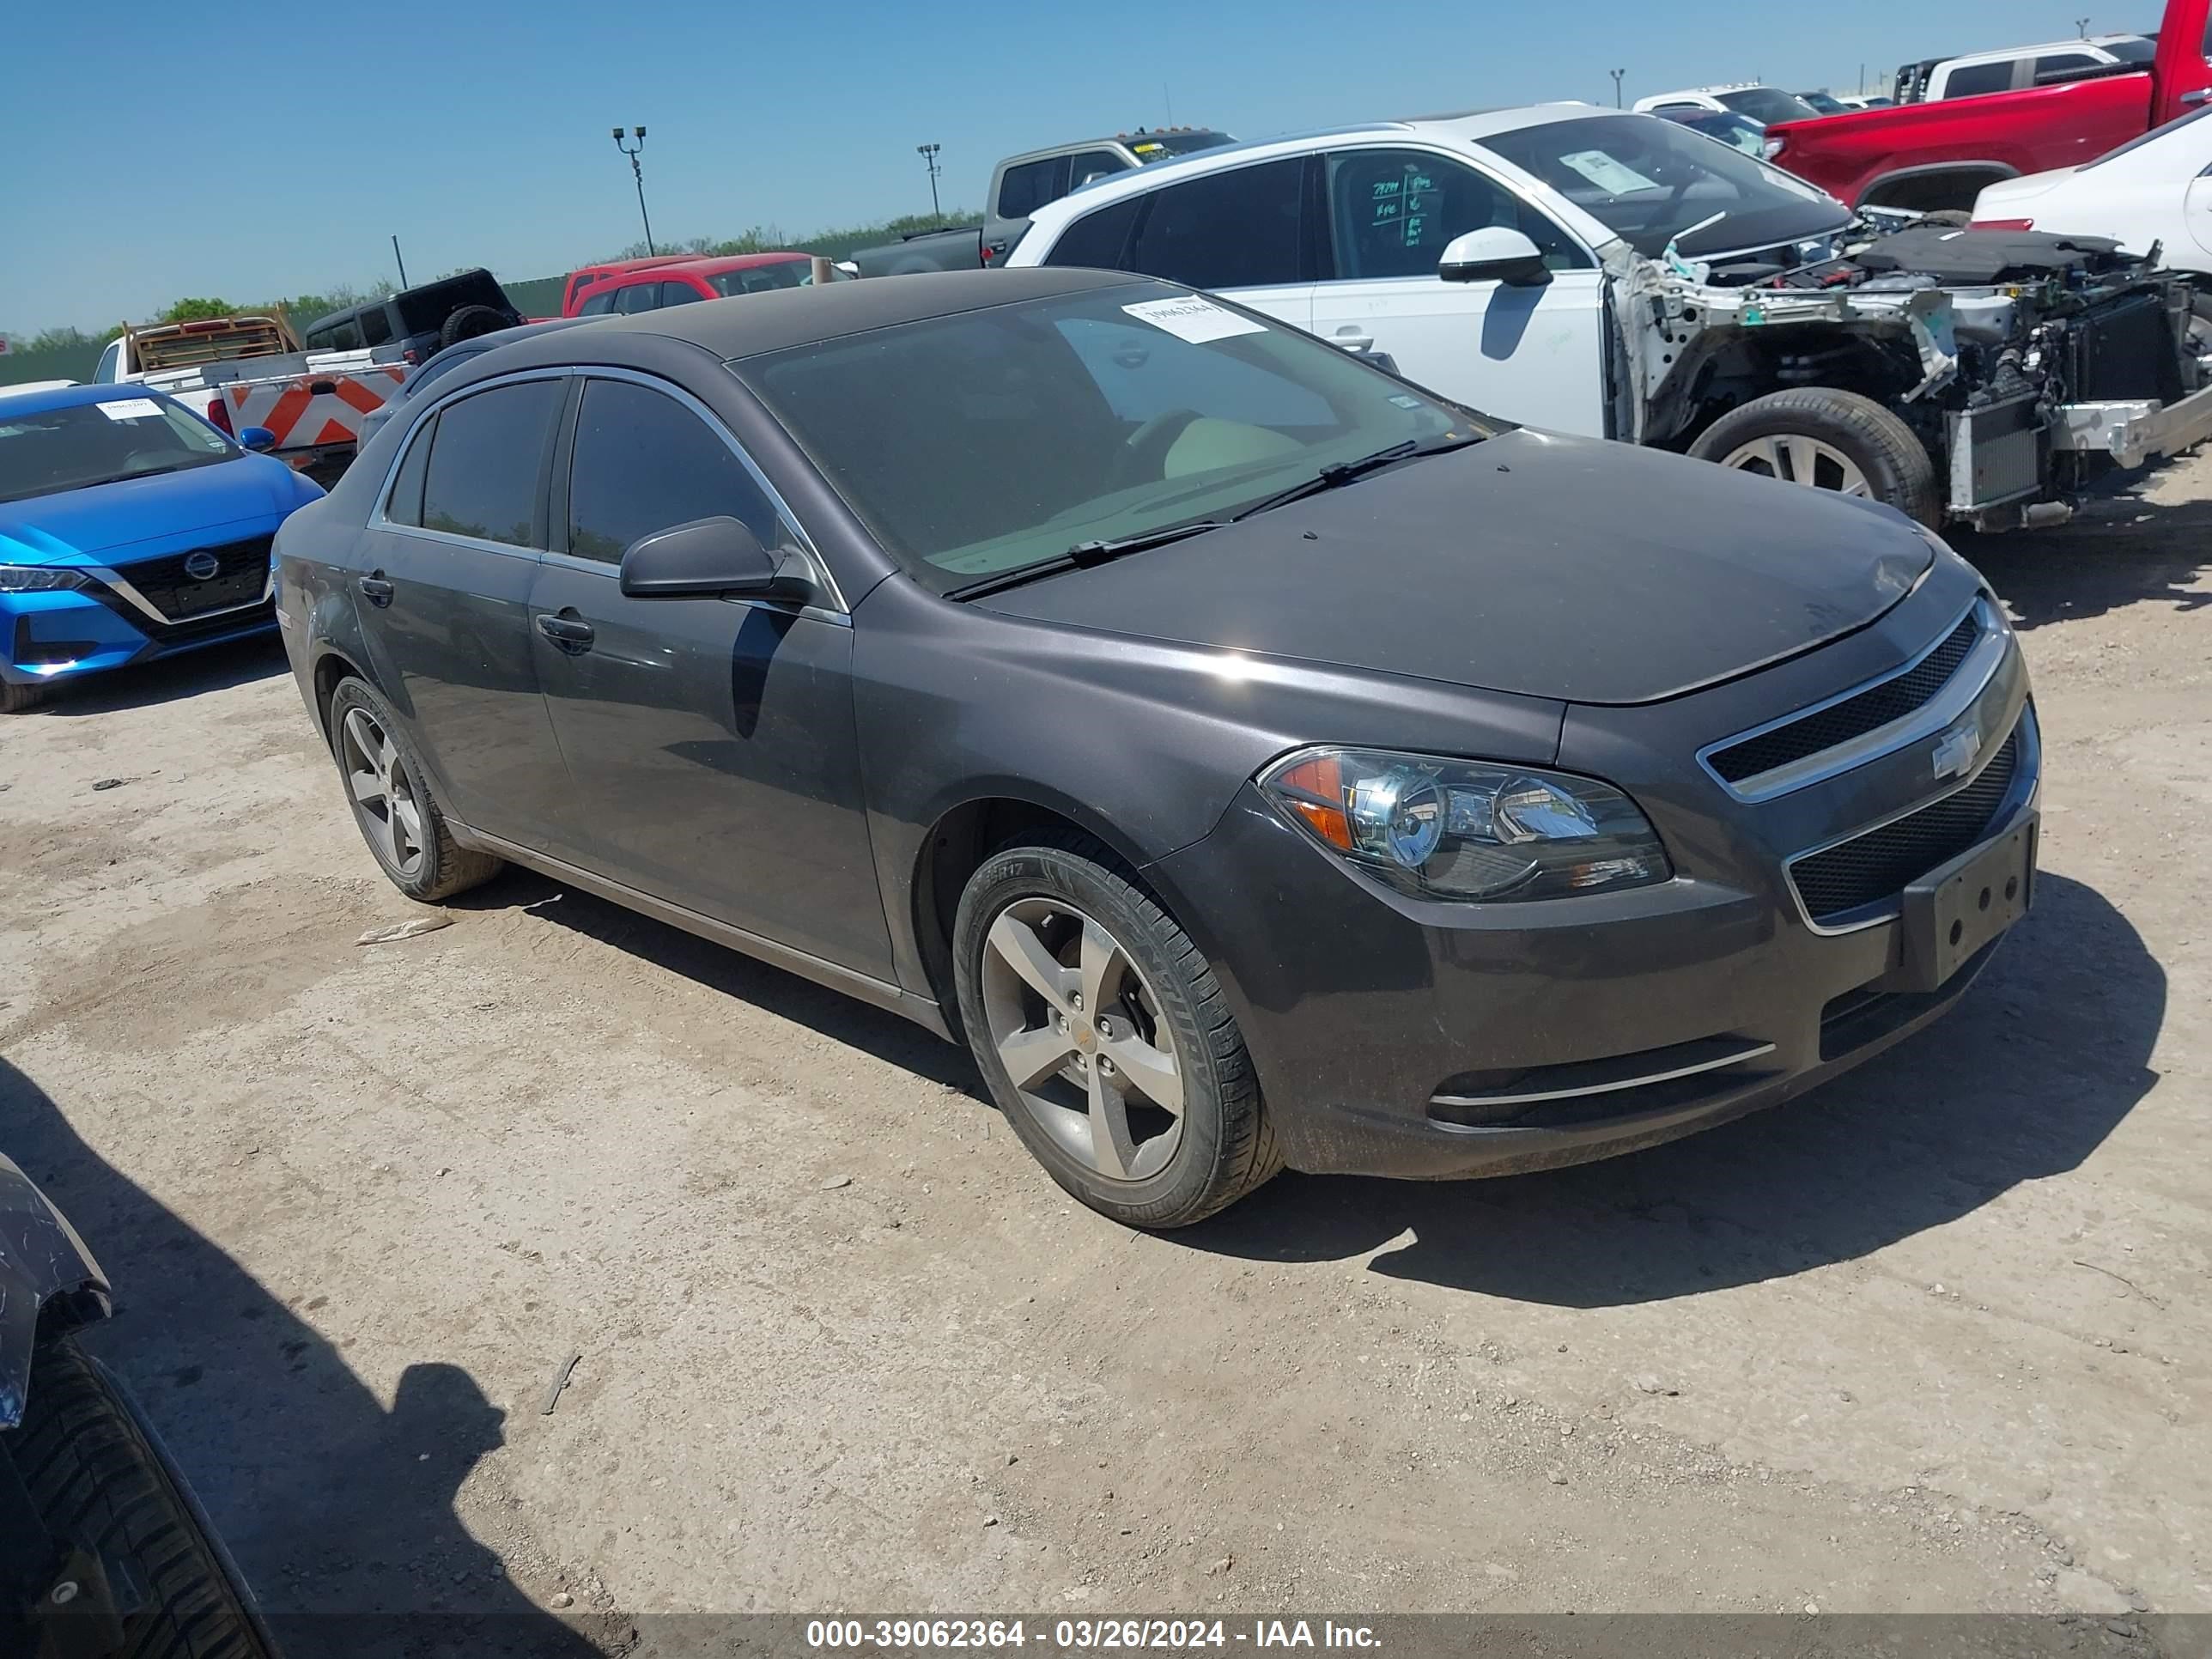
<point>1951,913</point>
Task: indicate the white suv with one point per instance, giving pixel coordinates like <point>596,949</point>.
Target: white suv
<point>2018,67</point>
<point>1346,232</point>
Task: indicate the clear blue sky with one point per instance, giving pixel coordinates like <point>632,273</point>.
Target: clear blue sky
<point>245,152</point>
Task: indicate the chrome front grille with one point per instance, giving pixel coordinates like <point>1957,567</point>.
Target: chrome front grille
<point>1906,705</point>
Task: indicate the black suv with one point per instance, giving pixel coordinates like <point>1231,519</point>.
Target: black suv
<point>423,319</point>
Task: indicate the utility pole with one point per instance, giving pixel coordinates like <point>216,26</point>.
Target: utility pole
<point>399,260</point>
<point>928,153</point>
<point>633,150</point>
<point>1616,75</point>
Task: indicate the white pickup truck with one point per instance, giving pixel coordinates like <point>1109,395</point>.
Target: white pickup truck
<point>250,370</point>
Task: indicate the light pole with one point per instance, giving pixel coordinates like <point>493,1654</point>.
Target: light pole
<point>928,153</point>
<point>637,172</point>
<point>1616,75</point>
<point>2082,24</point>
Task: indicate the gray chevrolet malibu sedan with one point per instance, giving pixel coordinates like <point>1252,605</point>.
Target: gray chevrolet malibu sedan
<point>1255,760</point>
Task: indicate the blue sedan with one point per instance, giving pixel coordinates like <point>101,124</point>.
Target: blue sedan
<point>129,528</point>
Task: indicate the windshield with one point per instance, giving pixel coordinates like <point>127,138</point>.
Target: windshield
<point>45,452</point>
<point>759,279</point>
<point>1737,132</point>
<point>982,443</point>
<point>1766,104</point>
<point>1649,180</point>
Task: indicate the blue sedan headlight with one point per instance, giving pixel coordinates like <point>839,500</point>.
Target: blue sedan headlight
<point>37,578</point>
<point>1464,830</point>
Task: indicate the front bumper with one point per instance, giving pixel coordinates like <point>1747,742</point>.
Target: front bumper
<point>2132,432</point>
<point>66,634</point>
<point>1394,1036</point>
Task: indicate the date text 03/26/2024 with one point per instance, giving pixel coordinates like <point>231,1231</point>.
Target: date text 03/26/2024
<point>1082,1635</point>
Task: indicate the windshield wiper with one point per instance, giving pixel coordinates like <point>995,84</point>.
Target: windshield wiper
<point>1343,473</point>
<point>1084,555</point>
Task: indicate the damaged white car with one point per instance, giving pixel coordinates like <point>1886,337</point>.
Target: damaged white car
<point>1617,275</point>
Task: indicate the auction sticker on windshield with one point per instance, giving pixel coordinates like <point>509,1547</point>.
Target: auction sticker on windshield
<point>1606,173</point>
<point>1194,319</point>
<point>131,409</point>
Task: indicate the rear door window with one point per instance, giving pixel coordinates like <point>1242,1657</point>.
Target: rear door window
<point>1975,79</point>
<point>1086,165</point>
<point>1099,240</point>
<point>2056,63</point>
<point>1239,229</point>
<point>375,326</point>
<point>1027,187</point>
<point>680,294</point>
<point>486,462</point>
<point>599,305</point>
<point>643,462</point>
<point>636,297</point>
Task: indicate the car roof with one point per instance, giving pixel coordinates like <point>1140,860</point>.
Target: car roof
<point>1471,126</point>
<point>68,397</point>
<point>751,324</point>
<point>1998,54</point>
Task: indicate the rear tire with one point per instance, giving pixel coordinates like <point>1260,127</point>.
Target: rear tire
<point>404,827</point>
<point>1217,1146</point>
<point>1891,464</point>
<point>15,699</point>
<point>99,1478</point>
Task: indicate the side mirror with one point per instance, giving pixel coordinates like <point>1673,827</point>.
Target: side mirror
<point>1493,254</point>
<point>710,558</point>
<point>845,268</point>
<point>259,439</point>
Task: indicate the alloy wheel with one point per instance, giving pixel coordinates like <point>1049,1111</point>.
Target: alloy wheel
<point>1794,457</point>
<point>384,796</point>
<point>1080,1031</point>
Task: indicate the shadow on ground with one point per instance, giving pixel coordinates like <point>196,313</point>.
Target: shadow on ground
<point>168,679</point>
<point>340,1512</point>
<point>2123,550</point>
<point>2024,1080</point>
<point>732,973</point>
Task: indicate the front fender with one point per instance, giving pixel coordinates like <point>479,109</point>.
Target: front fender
<point>41,1258</point>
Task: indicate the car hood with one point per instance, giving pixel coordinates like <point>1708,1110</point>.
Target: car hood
<point>1552,566</point>
<point>77,524</point>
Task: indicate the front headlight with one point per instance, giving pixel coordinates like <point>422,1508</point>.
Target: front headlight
<point>1465,830</point>
<point>37,578</point>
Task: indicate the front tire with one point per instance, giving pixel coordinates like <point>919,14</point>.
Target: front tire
<point>392,805</point>
<point>1105,1038</point>
<point>1830,439</point>
<point>99,1478</point>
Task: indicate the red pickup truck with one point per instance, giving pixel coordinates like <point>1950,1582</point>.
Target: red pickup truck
<point>1939,155</point>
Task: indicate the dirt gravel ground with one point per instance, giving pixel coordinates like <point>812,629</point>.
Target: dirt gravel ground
<point>1930,1339</point>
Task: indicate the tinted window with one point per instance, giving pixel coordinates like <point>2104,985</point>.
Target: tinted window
<point>680,294</point>
<point>1976,79</point>
<point>599,305</point>
<point>345,335</point>
<point>644,462</point>
<point>375,327</point>
<point>1090,164</point>
<point>404,504</point>
<point>1391,212</point>
<point>1031,185</point>
<point>486,461</point>
<point>1767,105</point>
<point>1235,229</point>
<point>638,296</point>
<point>758,279</point>
<point>1099,239</point>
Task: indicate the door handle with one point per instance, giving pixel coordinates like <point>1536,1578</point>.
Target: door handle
<point>1352,340</point>
<point>2199,96</point>
<point>569,633</point>
<point>375,589</point>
